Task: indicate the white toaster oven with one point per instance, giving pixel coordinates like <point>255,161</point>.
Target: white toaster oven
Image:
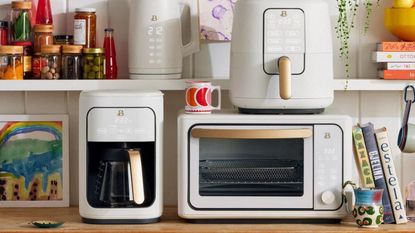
<point>233,166</point>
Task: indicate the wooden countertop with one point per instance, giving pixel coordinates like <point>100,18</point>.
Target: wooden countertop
<point>16,220</point>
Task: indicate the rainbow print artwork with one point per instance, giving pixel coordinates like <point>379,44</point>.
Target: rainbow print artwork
<point>31,161</point>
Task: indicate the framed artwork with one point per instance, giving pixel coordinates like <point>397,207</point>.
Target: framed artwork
<point>34,163</point>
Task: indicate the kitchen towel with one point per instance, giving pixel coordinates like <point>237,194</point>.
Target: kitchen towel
<point>216,18</point>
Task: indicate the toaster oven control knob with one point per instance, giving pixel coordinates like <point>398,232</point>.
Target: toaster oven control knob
<point>328,197</point>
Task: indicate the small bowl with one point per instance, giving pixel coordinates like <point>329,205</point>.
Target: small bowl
<point>47,224</point>
<point>401,22</point>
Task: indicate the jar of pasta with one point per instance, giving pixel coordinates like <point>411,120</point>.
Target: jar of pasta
<point>50,62</point>
<point>93,63</point>
<point>43,36</point>
<point>11,62</point>
<point>85,27</point>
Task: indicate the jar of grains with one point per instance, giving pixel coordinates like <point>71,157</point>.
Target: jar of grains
<point>50,61</point>
<point>20,18</point>
<point>71,61</point>
<point>11,62</point>
<point>85,27</point>
<point>93,63</point>
<point>43,36</point>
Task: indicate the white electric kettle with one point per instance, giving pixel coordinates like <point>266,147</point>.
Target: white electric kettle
<point>157,33</point>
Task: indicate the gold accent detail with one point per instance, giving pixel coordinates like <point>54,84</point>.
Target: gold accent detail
<point>284,66</point>
<point>136,176</point>
<point>252,133</point>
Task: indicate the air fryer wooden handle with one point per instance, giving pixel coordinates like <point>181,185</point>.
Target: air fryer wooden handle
<point>136,176</point>
<point>284,66</point>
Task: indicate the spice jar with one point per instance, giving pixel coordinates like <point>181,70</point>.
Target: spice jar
<point>11,62</point>
<point>27,58</point>
<point>36,65</point>
<point>71,61</point>
<point>4,33</point>
<point>43,36</point>
<point>20,17</point>
<point>93,63</point>
<point>50,62</point>
<point>63,39</point>
<point>85,27</point>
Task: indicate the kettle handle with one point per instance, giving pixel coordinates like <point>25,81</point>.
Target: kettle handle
<point>136,176</point>
<point>194,44</point>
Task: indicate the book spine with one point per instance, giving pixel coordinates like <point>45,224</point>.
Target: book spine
<point>362,159</point>
<point>393,56</point>
<point>394,46</point>
<point>397,74</point>
<point>376,164</point>
<point>392,181</point>
<point>400,66</point>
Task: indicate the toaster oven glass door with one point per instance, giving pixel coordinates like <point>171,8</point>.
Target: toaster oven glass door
<point>251,167</point>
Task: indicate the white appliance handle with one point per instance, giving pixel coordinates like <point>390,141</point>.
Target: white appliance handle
<point>194,45</point>
<point>136,176</point>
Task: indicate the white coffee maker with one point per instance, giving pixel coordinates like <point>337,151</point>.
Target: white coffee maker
<point>120,156</point>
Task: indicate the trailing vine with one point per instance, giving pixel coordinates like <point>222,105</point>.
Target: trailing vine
<point>348,10</point>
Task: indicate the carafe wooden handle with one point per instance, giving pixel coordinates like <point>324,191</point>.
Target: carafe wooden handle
<point>284,67</point>
<point>136,176</point>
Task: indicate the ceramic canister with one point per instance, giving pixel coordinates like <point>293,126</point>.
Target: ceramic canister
<point>368,210</point>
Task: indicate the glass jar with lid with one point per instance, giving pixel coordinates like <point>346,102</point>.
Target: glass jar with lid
<point>93,63</point>
<point>50,62</point>
<point>27,58</point>
<point>43,35</point>
<point>21,20</point>
<point>4,32</point>
<point>85,27</point>
<point>71,61</point>
<point>11,62</point>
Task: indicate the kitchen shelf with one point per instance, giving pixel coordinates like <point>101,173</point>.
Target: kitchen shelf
<point>178,84</point>
<point>17,220</point>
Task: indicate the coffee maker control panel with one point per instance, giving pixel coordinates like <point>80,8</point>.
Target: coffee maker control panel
<point>121,124</point>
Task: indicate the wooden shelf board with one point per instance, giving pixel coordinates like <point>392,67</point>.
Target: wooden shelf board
<point>16,220</point>
<point>178,84</point>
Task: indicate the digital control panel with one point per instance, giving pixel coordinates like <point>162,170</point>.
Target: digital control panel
<point>155,34</point>
<point>121,124</point>
<point>328,167</point>
<point>284,35</point>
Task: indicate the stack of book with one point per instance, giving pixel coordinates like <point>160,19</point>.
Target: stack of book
<point>397,60</point>
<point>374,160</point>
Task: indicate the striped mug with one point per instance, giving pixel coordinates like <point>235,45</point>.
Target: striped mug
<point>199,97</point>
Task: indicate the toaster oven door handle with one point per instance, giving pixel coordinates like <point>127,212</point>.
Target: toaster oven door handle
<point>252,133</point>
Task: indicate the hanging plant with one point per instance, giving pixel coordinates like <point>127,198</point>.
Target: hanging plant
<point>348,10</point>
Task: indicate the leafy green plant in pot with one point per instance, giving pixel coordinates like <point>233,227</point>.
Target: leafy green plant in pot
<point>348,10</point>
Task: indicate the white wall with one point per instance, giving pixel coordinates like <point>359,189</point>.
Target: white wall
<point>382,108</point>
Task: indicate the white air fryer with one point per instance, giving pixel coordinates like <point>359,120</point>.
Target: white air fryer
<point>281,56</point>
<point>120,156</point>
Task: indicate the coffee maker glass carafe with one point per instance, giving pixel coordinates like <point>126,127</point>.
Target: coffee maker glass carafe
<point>120,174</point>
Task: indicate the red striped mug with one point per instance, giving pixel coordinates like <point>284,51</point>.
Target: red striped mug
<point>199,97</point>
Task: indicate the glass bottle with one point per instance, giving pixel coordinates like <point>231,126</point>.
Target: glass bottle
<point>44,12</point>
<point>33,11</point>
<point>20,17</point>
<point>4,32</point>
<point>111,69</point>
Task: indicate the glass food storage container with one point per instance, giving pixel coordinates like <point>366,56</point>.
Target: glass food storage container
<point>20,18</point>
<point>27,58</point>
<point>11,62</point>
<point>43,36</point>
<point>36,66</point>
<point>85,27</point>
<point>71,61</point>
<point>50,62</point>
<point>93,63</point>
<point>63,39</point>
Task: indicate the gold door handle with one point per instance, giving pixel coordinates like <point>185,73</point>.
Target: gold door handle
<point>284,67</point>
<point>136,176</point>
<point>252,133</point>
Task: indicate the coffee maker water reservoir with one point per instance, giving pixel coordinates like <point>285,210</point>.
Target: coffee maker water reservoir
<point>120,156</point>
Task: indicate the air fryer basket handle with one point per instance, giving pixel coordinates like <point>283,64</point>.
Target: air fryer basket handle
<point>284,66</point>
<point>136,176</point>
